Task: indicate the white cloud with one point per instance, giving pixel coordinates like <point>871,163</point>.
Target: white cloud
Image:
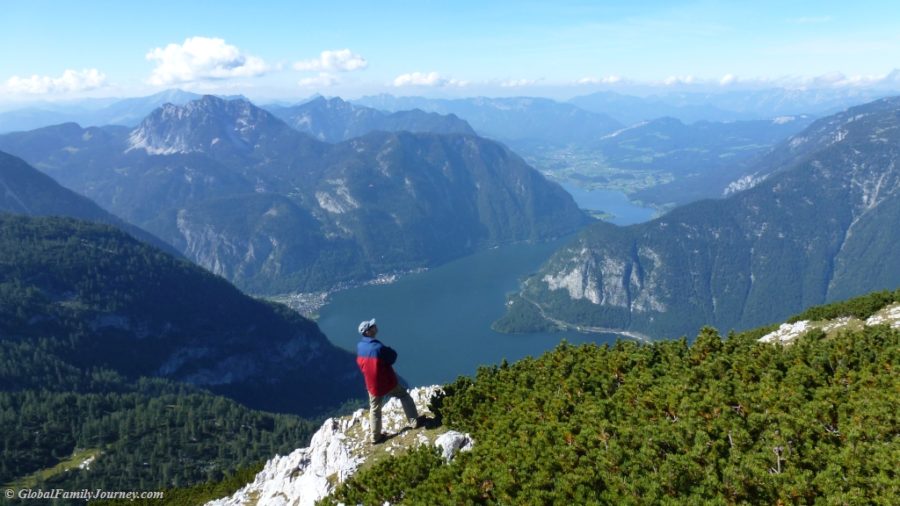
<point>893,76</point>
<point>600,80</point>
<point>833,79</point>
<point>430,79</point>
<point>323,80</point>
<point>728,79</point>
<point>69,81</point>
<point>839,79</point>
<point>338,60</point>
<point>829,79</point>
<point>673,80</point>
<point>517,83</point>
<point>202,58</point>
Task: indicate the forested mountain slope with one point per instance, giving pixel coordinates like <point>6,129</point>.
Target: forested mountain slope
<point>98,299</point>
<point>25,190</point>
<point>112,354</point>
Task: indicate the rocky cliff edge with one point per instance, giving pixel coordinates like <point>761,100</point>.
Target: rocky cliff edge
<point>339,449</point>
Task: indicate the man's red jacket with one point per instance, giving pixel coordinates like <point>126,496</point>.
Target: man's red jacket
<point>375,360</point>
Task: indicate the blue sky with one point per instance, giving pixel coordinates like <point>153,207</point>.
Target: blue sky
<point>64,49</point>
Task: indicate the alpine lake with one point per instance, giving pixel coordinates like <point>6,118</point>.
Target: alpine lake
<point>439,320</point>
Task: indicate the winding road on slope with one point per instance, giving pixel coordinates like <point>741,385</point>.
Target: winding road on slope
<point>590,330</point>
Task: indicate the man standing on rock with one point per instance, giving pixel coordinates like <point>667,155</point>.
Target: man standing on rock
<point>375,360</point>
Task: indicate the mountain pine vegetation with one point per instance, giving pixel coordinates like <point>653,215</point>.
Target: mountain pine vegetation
<point>715,421</point>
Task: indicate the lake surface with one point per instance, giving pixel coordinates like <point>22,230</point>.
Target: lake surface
<point>614,202</point>
<point>439,320</point>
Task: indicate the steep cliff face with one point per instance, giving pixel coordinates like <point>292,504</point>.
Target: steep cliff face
<point>818,230</point>
<point>337,450</point>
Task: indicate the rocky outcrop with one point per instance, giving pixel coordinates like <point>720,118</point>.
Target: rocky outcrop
<point>789,332</point>
<point>338,450</point>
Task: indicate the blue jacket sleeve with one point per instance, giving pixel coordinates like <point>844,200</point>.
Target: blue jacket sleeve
<point>387,354</point>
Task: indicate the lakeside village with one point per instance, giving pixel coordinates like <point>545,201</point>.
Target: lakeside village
<point>308,304</point>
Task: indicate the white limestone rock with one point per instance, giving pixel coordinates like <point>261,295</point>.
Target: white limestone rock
<point>787,332</point>
<point>886,316</point>
<point>453,442</point>
<point>335,453</point>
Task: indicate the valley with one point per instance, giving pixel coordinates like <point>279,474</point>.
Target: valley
<point>804,235</point>
<point>439,321</point>
<point>601,290</point>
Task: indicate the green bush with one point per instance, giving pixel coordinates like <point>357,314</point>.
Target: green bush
<point>860,307</point>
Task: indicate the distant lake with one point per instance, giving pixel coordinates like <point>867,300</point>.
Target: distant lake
<point>613,202</point>
<point>439,320</point>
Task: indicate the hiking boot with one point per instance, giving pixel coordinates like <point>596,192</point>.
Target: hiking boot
<point>420,422</point>
<point>381,438</point>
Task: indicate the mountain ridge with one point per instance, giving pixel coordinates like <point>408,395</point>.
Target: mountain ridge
<point>517,121</point>
<point>790,242</point>
<point>334,120</point>
<point>125,112</point>
<point>380,203</point>
<point>25,190</point>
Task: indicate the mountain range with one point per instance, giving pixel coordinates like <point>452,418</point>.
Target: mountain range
<point>126,112</point>
<point>335,120</point>
<point>702,158</point>
<point>766,103</point>
<point>665,157</point>
<point>669,144</point>
<point>819,225</point>
<point>248,197</point>
<point>521,122</point>
<point>145,370</point>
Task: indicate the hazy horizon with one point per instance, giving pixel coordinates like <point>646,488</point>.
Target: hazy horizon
<point>281,51</point>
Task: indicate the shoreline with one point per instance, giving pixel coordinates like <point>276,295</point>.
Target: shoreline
<point>308,304</point>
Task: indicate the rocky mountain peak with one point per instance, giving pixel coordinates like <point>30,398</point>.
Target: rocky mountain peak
<point>331,103</point>
<point>203,125</point>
